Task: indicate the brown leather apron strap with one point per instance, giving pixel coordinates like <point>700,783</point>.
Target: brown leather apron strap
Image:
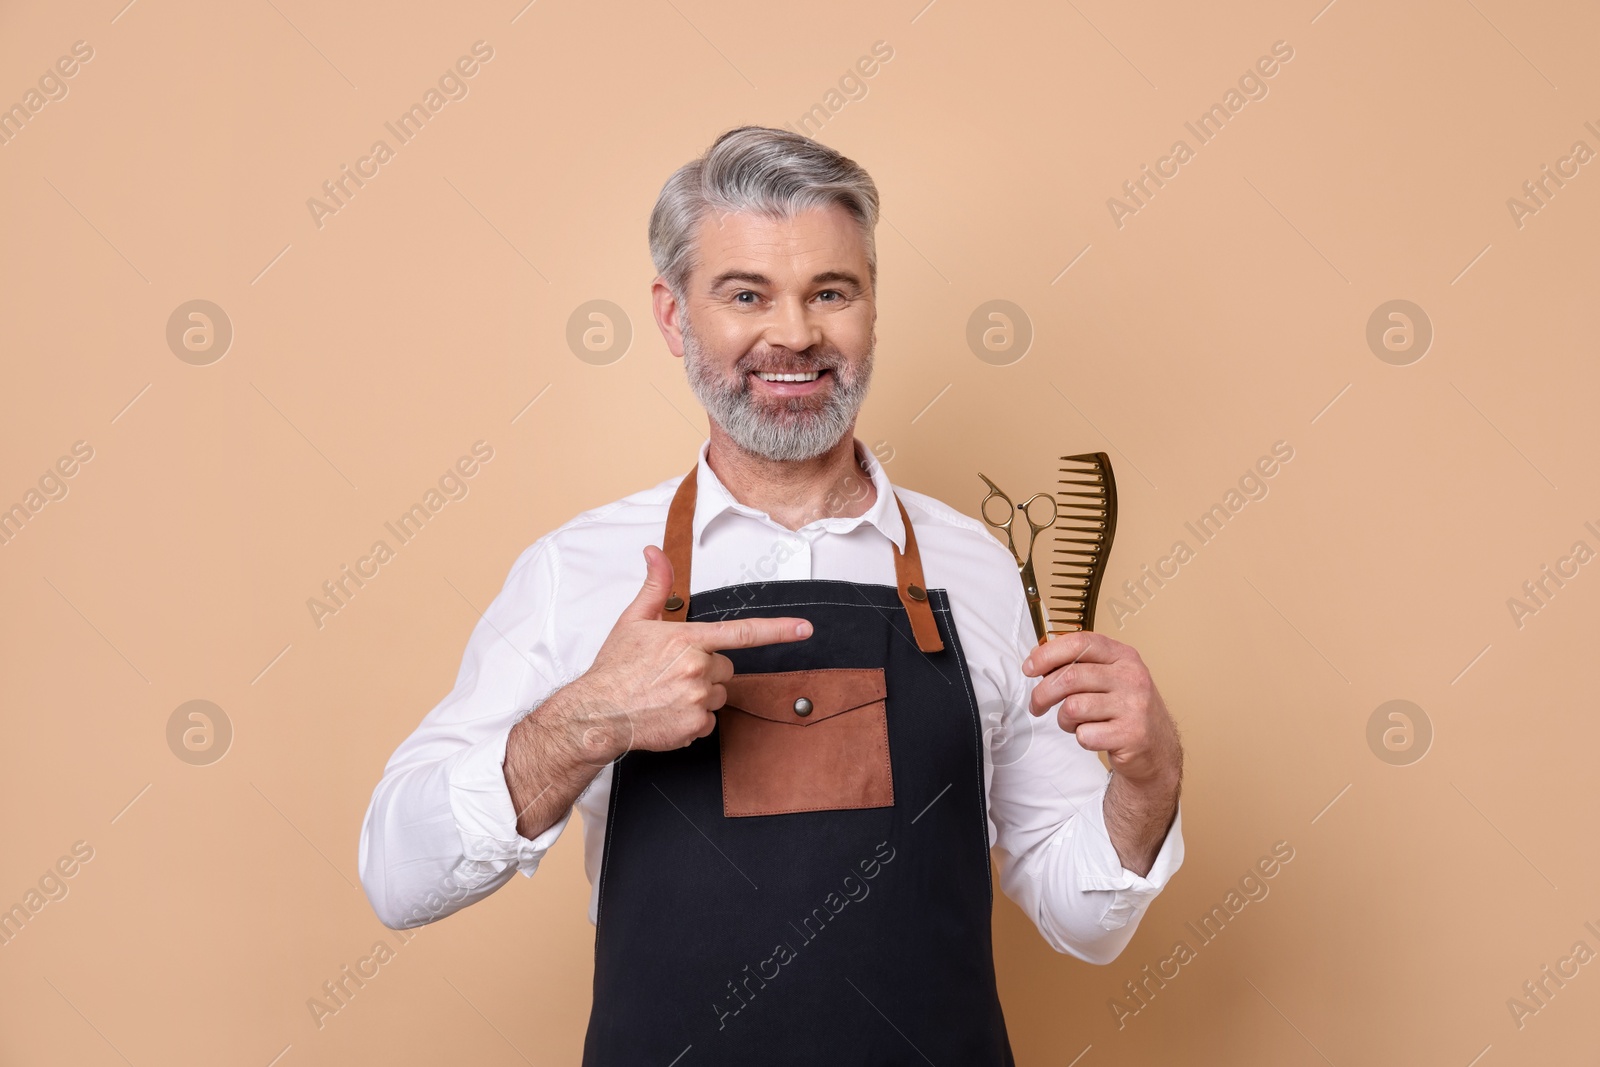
<point>913,590</point>
<point>678,544</point>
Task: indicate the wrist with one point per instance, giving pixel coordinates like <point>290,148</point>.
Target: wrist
<point>1162,783</point>
<point>578,728</point>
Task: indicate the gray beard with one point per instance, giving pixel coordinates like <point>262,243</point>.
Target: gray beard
<point>795,432</point>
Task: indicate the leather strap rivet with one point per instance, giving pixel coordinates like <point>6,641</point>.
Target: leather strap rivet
<point>916,592</point>
<point>802,707</point>
<point>674,602</point>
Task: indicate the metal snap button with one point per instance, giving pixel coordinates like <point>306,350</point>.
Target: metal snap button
<point>916,592</point>
<point>802,707</point>
<point>674,602</point>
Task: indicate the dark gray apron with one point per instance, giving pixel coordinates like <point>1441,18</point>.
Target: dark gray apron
<point>809,884</point>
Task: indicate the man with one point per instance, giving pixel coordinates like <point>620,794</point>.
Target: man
<point>795,728</point>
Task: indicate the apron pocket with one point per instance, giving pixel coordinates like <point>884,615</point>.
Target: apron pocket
<point>805,741</point>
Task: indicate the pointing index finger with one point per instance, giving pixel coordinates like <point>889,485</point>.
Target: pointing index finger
<point>748,633</point>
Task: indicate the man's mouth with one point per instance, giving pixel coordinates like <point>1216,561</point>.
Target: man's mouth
<point>801,376</point>
<point>792,385</point>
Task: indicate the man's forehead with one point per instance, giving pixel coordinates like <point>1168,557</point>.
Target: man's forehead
<point>810,240</point>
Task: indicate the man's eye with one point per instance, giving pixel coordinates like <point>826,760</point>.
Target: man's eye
<point>836,294</point>
<point>739,297</point>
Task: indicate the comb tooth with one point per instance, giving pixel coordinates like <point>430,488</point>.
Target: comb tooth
<point>1086,503</point>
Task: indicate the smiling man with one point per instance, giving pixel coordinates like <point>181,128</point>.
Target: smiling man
<point>796,705</point>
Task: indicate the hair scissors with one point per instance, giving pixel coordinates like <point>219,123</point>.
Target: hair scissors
<point>1030,584</point>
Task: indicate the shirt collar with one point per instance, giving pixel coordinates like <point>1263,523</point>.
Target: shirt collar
<point>712,499</point>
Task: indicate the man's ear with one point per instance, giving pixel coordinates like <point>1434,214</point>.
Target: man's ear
<point>666,309</point>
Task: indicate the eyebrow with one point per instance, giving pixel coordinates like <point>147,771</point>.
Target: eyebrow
<point>757,278</point>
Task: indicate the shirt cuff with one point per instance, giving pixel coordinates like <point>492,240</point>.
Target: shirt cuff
<point>485,817</point>
<point>1101,868</point>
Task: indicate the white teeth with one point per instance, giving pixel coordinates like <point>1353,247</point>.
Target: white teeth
<point>811,376</point>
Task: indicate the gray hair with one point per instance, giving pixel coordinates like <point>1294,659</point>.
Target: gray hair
<point>756,169</point>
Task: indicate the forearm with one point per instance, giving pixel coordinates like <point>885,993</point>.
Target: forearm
<point>1138,816</point>
<point>552,754</point>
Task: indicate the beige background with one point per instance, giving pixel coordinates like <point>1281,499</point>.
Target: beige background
<point>1229,313</point>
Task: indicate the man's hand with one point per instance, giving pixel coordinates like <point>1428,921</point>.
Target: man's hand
<point>653,685</point>
<point>1109,701</point>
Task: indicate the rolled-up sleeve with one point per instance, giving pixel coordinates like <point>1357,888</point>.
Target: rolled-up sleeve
<point>440,831</point>
<point>1056,859</point>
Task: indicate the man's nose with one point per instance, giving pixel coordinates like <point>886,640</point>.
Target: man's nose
<point>792,326</point>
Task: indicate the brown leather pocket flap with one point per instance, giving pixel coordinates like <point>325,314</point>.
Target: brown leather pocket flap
<point>774,695</point>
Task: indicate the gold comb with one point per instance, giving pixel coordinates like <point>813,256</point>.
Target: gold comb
<point>1087,503</point>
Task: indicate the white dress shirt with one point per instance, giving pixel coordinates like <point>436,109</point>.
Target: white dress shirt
<point>441,832</point>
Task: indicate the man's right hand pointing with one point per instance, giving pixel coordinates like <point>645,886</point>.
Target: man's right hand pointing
<point>653,685</point>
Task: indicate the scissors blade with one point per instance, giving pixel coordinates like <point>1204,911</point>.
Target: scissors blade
<point>1030,587</point>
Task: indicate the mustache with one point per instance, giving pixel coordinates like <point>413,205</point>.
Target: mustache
<point>808,360</point>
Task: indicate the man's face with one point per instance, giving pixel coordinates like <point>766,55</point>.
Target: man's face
<point>770,297</point>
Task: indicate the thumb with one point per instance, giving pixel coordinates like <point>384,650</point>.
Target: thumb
<point>652,598</point>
